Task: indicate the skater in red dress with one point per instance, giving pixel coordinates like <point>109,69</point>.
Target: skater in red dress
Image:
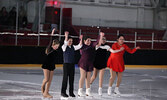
<point>116,63</point>
<point>100,63</point>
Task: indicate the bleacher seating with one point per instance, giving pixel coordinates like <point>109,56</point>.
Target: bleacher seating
<point>110,33</point>
<point>129,33</point>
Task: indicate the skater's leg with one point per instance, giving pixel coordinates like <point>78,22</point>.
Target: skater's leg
<point>88,76</point>
<point>46,93</point>
<point>95,72</point>
<point>45,80</point>
<point>111,81</point>
<point>116,91</point>
<point>81,81</point>
<point>71,80</point>
<point>112,77</point>
<point>65,79</point>
<point>88,90</point>
<point>82,77</point>
<point>101,75</point>
<point>119,79</point>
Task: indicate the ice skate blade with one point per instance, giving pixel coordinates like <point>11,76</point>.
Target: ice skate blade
<point>45,98</point>
<point>117,95</point>
<point>71,97</point>
<point>64,98</point>
<point>100,95</point>
<point>89,97</point>
<point>83,96</point>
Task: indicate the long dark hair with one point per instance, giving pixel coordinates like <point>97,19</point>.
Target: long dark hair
<point>49,48</point>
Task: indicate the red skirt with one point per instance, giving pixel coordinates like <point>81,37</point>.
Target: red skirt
<point>116,63</point>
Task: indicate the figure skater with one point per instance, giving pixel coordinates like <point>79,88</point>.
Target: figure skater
<point>68,66</point>
<point>116,63</point>
<point>86,63</point>
<point>100,62</point>
<point>49,66</point>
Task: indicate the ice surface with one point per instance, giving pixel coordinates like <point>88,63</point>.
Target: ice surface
<point>25,84</point>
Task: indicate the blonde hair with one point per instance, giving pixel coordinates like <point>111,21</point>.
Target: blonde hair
<point>55,41</point>
<point>49,48</point>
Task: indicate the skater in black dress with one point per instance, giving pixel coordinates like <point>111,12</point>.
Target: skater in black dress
<point>100,62</point>
<point>49,66</point>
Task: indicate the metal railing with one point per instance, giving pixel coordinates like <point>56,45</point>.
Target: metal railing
<point>134,41</point>
<point>17,30</point>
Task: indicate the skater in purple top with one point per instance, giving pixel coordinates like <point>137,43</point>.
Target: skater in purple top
<point>86,63</point>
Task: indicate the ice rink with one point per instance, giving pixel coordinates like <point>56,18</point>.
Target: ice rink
<point>137,84</point>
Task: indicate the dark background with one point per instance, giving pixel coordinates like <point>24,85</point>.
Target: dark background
<point>36,55</point>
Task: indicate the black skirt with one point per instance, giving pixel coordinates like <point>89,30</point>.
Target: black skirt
<point>49,62</point>
<point>100,61</point>
<point>49,67</point>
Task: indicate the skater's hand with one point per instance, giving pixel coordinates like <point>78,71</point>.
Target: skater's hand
<point>102,34</point>
<point>53,31</point>
<point>80,37</point>
<point>100,41</point>
<point>138,47</point>
<point>122,48</point>
<point>66,33</point>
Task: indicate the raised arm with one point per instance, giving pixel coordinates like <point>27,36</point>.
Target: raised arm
<point>51,37</point>
<point>100,40</point>
<point>77,47</point>
<point>66,35</point>
<point>50,43</point>
<point>65,41</point>
<point>53,31</point>
<point>80,37</point>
